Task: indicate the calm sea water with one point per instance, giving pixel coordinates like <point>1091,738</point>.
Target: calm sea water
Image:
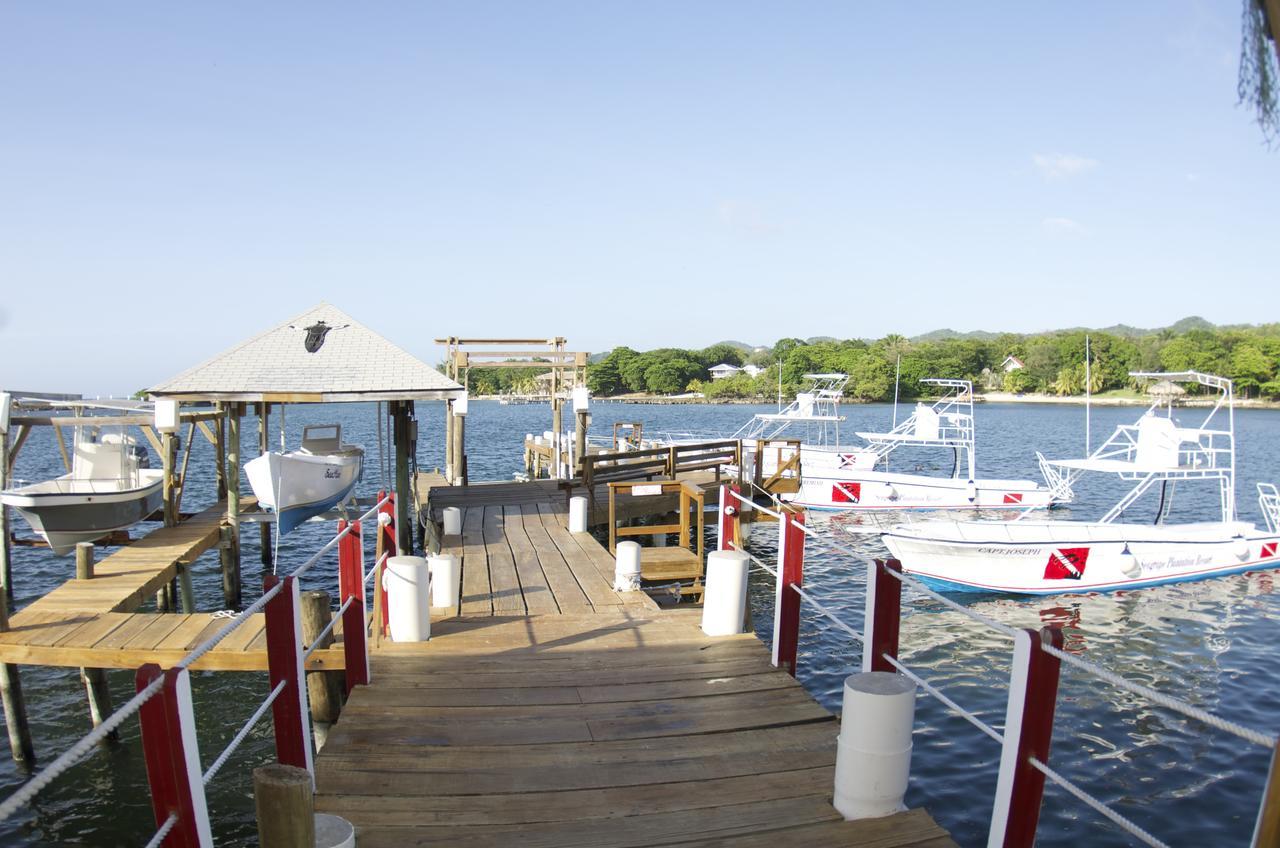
<point>1210,643</point>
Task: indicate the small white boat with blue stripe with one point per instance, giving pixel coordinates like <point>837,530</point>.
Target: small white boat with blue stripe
<point>298,485</point>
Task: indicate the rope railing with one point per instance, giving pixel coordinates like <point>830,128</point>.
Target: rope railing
<point>88,744</point>
<point>243,732</point>
<point>1051,649</point>
<point>327,629</point>
<point>163,832</point>
<point>1098,806</point>
<point>76,752</point>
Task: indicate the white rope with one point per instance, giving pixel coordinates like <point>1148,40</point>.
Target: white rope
<point>376,566</point>
<point>76,752</point>
<point>907,580</point>
<point>244,731</point>
<point>937,693</point>
<point>328,628</point>
<point>1097,805</point>
<point>168,825</point>
<point>302,569</point>
<point>759,562</point>
<point>827,614</point>
<point>207,645</point>
<point>1167,701</point>
<point>747,501</point>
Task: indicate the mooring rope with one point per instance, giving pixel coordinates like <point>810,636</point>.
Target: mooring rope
<point>244,731</point>
<point>163,832</point>
<point>1098,806</point>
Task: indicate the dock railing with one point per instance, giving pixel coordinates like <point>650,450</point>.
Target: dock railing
<point>665,462</point>
<point>1037,658</point>
<point>163,699</point>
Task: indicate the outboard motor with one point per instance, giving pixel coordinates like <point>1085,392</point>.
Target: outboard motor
<point>139,455</point>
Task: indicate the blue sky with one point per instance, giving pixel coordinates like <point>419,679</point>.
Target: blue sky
<point>175,178</point>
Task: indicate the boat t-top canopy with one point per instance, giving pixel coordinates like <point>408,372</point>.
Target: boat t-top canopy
<point>819,403</point>
<point>1155,448</point>
<point>322,355</point>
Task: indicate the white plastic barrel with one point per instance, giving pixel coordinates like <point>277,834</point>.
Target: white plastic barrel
<point>334,832</point>
<point>446,580</point>
<point>873,751</point>
<point>408,583</point>
<point>724,603</point>
<point>452,521</point>
<point>577,514</point>
<point>626,570</point>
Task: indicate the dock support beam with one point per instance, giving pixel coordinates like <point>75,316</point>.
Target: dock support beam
<point>448,441</point>
<point>324,688</point>
<point>15,709</point>
<point>264,529</point>
<point>400,435</point>
<point>95,679</point>
<point>230,555</point>
<point>284,799</point>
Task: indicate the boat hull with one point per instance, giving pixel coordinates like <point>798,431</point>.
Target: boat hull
<point>1050,558</point>
<point>859,489</point>
<point>299,485</point>
<point>64,514</point>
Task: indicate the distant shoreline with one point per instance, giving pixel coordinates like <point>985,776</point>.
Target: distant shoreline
<point>979,397</point>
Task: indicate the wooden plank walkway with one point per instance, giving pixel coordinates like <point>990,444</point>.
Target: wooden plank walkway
<point>520,558</point>
<point>606,729</point>
<point>93,623</point>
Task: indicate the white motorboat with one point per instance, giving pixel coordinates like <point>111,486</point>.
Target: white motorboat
<point>1041,556</point>
<point>301,484</point>
<point>838,477</point>
<point>110,487</point>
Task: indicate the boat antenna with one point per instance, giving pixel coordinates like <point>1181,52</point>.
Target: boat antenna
<point>779,384</point>
<point>897,376</point>
<point>1088,394</point>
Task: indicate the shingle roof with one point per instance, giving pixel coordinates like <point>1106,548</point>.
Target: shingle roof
<point>351,363</point>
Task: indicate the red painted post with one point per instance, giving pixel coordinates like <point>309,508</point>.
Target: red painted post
<point>284,662</point>
<point>1028,732</point>
<point>388,532</point>
<point>355,644</point>
<point>730,507</point>
<point>172,758</point>
<point>883,615</point>
<point>786,618</point>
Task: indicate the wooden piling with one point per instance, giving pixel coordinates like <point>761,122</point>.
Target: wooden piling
<point>220,448</point>
<point>284,800</point>
<point>264,529</point>
<point>448,439</point>
<point>15,708</point>
<point>6,563</point>
<point>95,679</point>
<point>400,432</point>
<point>231,559</point>
<point>168,455</point>
<point>582,423</point>
<point>324,688</point>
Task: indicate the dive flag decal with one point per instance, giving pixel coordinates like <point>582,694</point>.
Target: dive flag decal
<point>1269,550</point>
<point>1066,564</point>
<point>846,492</point>
<point>1013,497</point>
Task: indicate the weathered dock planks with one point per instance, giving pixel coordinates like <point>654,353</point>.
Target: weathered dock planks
<point>602,729</point>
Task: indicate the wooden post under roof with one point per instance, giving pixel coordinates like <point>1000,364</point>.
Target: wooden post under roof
<point>15,708</point>
<point>400,435</point>
<point>6,553</point>
<point>264,437</point>
<point>231,554</point>
<point>220,448</point>
<point>448,440</point>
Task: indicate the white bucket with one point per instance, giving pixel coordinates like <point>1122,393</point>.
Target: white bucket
<point>408,584</point>
<point>626,570</point>
<point>577,514</point>
<point>452,521</point>
<point>724,603</point>
<point>873,752</point>
<point>446,580</point>
<point>334,832</point>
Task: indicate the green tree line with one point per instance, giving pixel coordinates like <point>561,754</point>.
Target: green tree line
<point>1051,362</point>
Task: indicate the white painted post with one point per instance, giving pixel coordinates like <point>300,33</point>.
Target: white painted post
<point>724,603</point>
<point>578,514</point>
<point>873,751</point>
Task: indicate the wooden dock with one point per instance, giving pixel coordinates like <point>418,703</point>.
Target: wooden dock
<point>95,624</point>
<point>549,710</point>
<point>602,729</point>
